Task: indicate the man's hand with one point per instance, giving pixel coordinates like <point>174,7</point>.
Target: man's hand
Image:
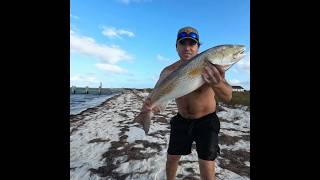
<point>148,107</point>
<point>213,75</point>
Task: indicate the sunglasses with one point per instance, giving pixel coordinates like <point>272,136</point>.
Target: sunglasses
<point>191,34</point>
<point>191,42</point>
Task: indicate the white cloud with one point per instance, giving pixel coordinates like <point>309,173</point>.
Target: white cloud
<point>111,68</point>
<point>74,16</point>
<point>112,32</point>
<point>154,78</point>
<point>242,71</point>
<point>73,28</point>
<point>90,74</point>
<point>133,80</point>
<point>162,59</point>
<point>244,64</point>
<point>83,80</point>
<point>132,1</point>
<point>235,82</point>
<point>88,46</point>
<point>75,78</point>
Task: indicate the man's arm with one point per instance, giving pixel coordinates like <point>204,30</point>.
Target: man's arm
<point>214,76</point>
<point>223,90</point>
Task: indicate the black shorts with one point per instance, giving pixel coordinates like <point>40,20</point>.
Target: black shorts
<point>204,131</point>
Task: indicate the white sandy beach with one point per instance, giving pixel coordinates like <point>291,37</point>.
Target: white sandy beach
<point>106,144</point>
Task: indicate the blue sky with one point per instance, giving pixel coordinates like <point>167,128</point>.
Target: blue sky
<point>126,43</point>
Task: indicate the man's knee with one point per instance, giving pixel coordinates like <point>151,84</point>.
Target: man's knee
<point>173,158</point>
<point>207,169</point>
<point>206,161</point>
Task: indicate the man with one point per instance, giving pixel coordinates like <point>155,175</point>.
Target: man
<point>196,119</point>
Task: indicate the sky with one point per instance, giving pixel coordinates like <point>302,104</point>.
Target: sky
<point>127,43</point>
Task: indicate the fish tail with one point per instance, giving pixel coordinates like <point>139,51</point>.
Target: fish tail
<point>144,118</point>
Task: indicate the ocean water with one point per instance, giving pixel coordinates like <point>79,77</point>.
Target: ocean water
<point>81,102</point>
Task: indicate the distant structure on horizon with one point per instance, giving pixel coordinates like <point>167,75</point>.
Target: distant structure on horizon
<point>87,90</point>
<point>238,89</point>
<point>100,87</point>
<point>73,89</point>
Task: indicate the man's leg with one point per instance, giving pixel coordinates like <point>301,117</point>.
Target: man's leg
<point>207,141</point>
<point>207,170</point>
<point>172,166</point>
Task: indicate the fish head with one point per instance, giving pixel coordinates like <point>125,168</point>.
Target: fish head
<point>237,52</point>
<point>225,55</point>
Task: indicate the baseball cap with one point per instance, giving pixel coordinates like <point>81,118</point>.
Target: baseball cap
<point>188,32</point>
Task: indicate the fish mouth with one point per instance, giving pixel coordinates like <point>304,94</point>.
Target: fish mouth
<point>241,51</point>
<point>240,54</point>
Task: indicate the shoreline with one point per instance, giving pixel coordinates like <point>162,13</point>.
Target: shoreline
<point>104,142</point>
<point>88,110</point>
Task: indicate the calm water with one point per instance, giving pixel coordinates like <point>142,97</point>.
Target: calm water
<point>81,102</point>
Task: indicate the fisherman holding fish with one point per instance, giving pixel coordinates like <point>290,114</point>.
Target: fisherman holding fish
<point>193,81</point>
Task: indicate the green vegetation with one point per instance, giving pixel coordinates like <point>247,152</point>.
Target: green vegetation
<point>238,98</point>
